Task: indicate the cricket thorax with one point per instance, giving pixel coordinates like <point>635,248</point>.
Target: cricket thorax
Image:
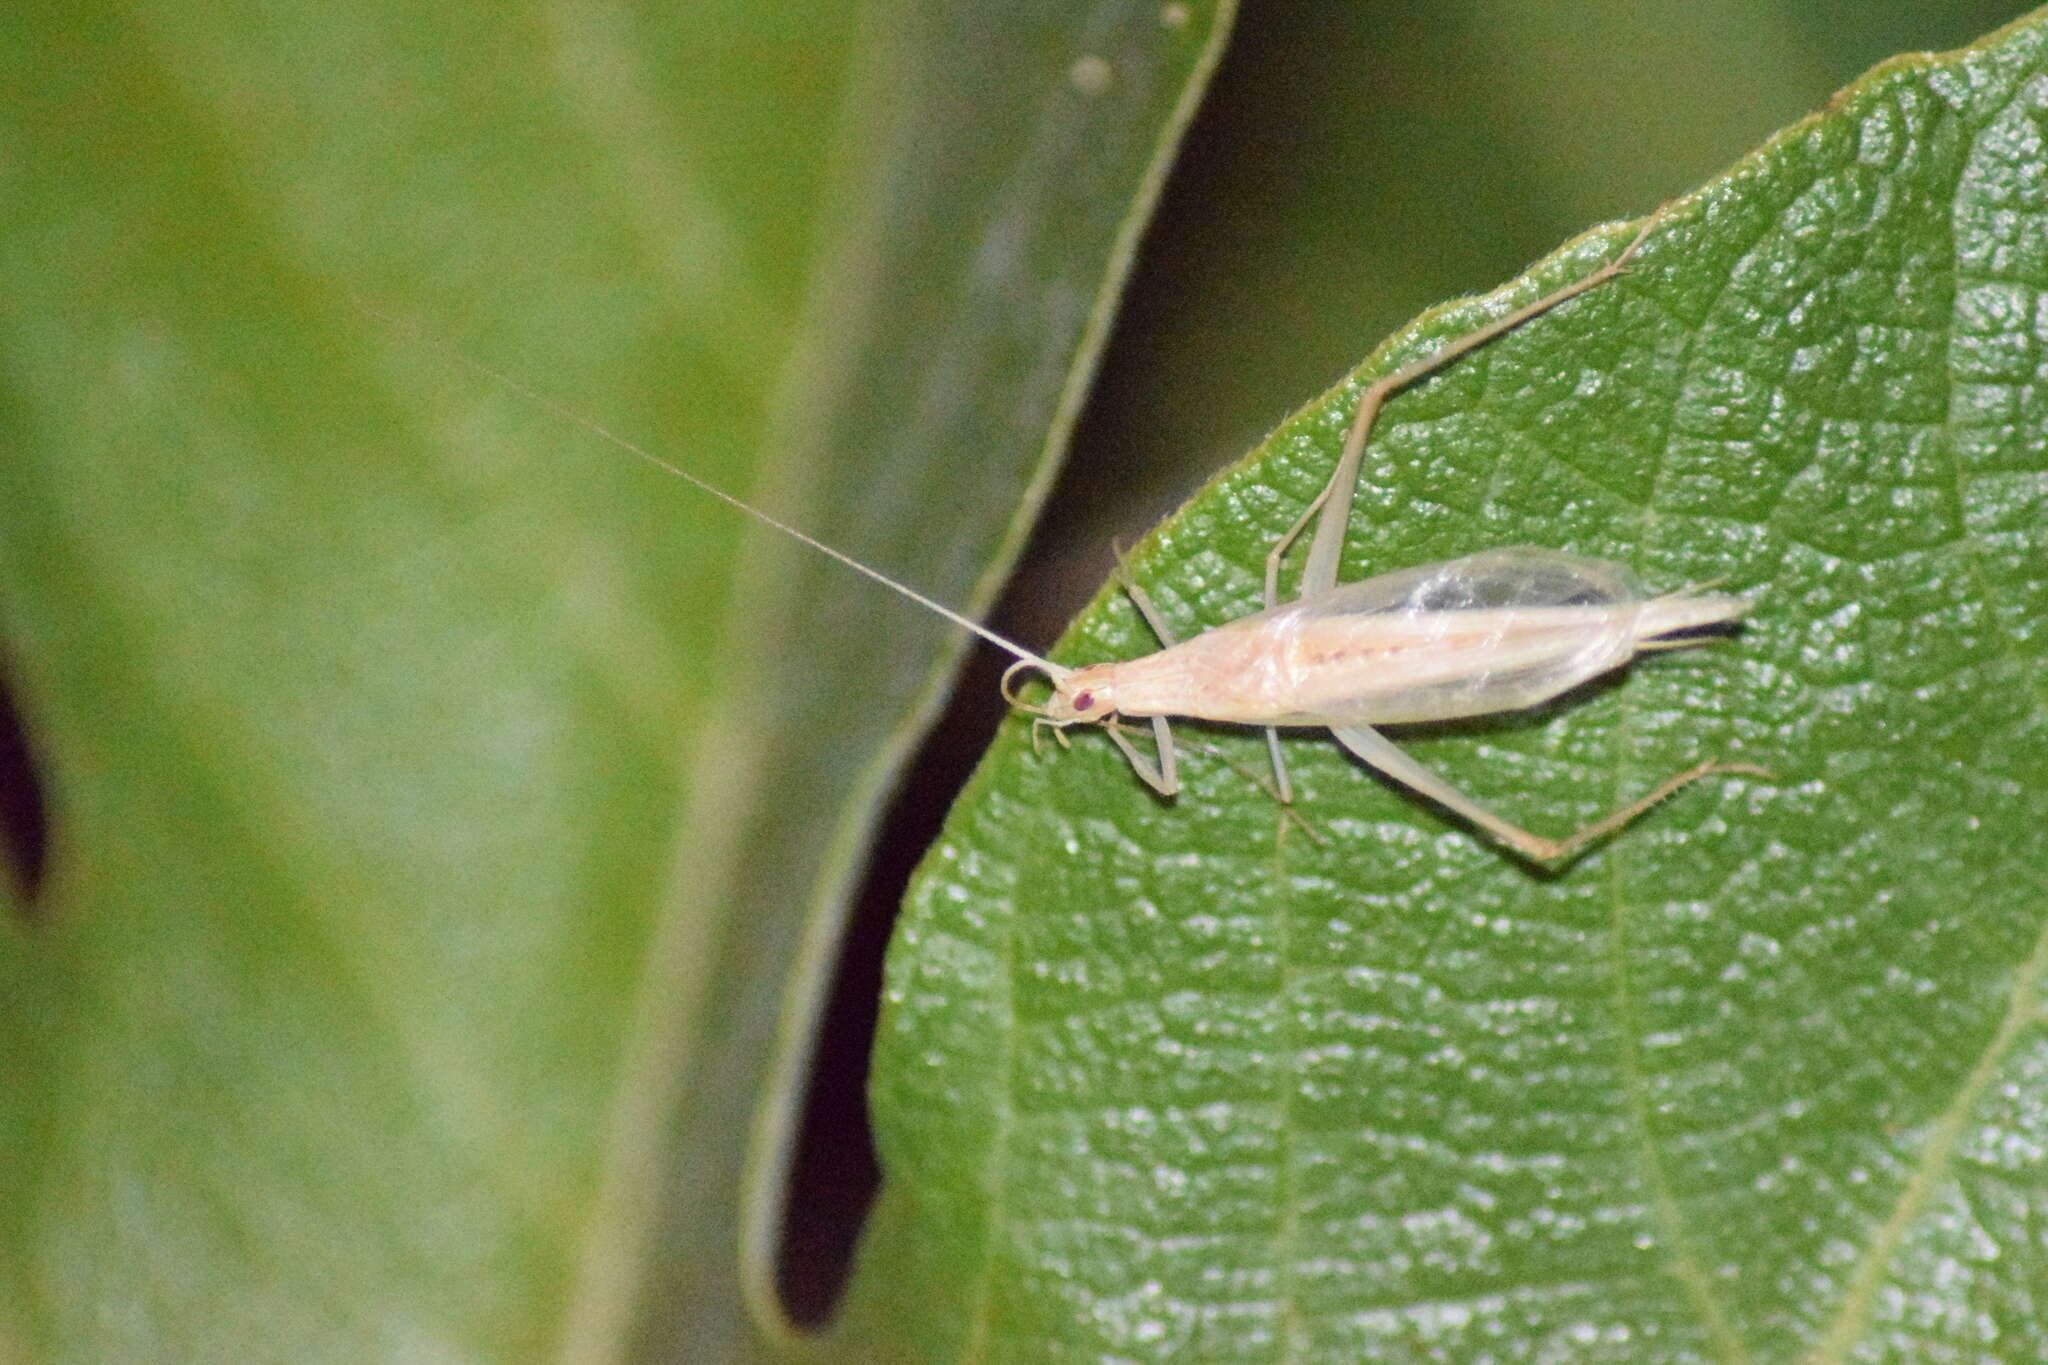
<point>1231,673</point>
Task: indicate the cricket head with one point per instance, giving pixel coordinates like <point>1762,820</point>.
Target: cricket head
<point>1080,696</point>
<point>1086,696</point>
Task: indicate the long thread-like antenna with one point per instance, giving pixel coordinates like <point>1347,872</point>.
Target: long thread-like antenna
<point>595,428</point>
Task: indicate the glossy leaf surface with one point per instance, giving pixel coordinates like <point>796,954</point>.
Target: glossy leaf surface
<point>1760,1078</point>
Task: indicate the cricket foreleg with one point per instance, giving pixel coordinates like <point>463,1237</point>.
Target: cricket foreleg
<point>1378,752</point>
<point>1163,776</point>
<point>1283,790</point>
<point>1326,548</point>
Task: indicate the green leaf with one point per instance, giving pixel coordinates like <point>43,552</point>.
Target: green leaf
<point>1761,1077</point>
<point>407,978</point>
<point>358,698</point>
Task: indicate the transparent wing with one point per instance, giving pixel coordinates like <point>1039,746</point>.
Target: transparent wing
<point>1515,576</point>
<point>1498,631</point>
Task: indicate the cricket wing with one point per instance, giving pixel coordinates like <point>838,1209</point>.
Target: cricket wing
<point>1514,576</point>
<point>1492,632</point>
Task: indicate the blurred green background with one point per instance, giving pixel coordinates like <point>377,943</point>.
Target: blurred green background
<point>410,846</point>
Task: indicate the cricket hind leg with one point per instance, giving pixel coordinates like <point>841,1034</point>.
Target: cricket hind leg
<point>1380,753</point>
<point>1326,547</point>
<point>1333,503</point>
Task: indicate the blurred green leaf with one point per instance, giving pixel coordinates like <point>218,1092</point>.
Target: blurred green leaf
<point>421,898</point>
<point>1760,1078</point>
<point>955,332</point>
<point>360,700</point>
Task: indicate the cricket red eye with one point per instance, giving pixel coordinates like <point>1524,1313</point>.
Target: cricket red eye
<point>1084,701</point>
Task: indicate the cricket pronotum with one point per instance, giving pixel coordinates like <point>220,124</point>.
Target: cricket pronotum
<point>1492,632</point>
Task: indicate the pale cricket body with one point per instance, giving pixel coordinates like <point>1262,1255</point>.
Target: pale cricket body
<point>1498,631</point>
<point>1503,630</point>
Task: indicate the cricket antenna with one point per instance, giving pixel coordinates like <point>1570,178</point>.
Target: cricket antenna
<point>595,428</point>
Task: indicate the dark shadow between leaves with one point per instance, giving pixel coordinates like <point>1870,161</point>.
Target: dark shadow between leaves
<point>24,824</point>
<point>833,1175</point>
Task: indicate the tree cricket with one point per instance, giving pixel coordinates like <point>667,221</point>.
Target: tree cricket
<point>1493,632</point>
<point>1499,631</point>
